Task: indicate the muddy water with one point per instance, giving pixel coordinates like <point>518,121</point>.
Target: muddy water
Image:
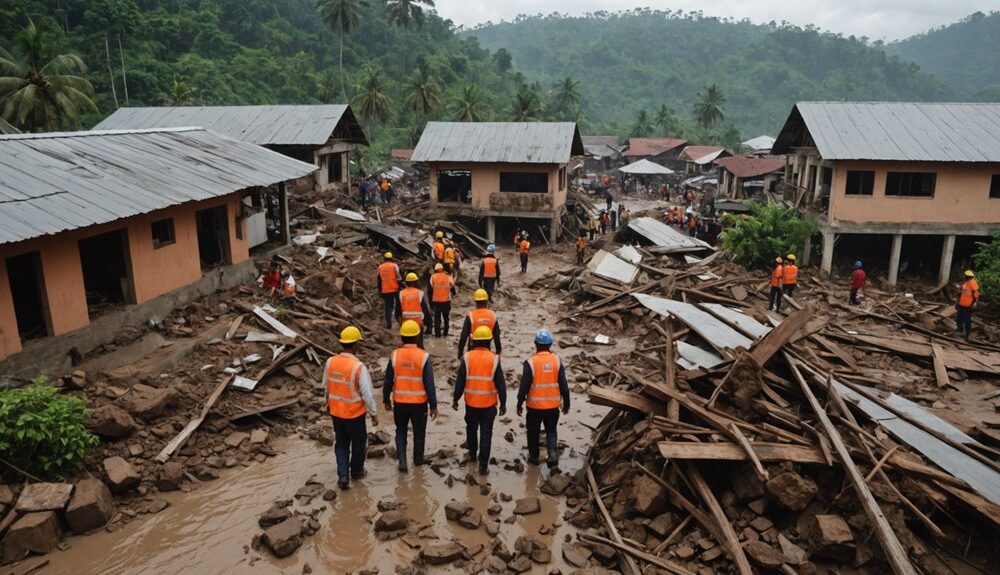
<point>206,530</point>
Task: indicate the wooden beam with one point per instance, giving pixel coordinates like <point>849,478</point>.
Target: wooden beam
<point>940,371</point>
<point>766,451</point>
<point>615,398</point>
<point>638,554</point>
<point>729,538</point>
<point>670,372</point>
<point>779,336</point>
<point>178,441</point>
<point>628,565</point>
<point>744,444</point>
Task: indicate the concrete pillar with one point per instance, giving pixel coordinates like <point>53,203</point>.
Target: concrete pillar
<point>947,251</point>
<point>554,228</point>
<point>806,251</point>
<point>897,245</point>
<point>491,228</point>
<point>828,239</point>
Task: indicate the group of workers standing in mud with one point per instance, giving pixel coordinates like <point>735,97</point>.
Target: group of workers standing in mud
<point>409,390</point>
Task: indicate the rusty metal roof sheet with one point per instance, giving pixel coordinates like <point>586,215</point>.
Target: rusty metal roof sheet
<point>53,182</point>
<point>499,142</point>
<point>750,166</point>
<point>638,147</point>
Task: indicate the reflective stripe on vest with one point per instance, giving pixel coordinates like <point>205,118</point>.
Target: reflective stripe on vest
<point>438,250</point>
<point>408,369</point>
<point>790,273</point>
<point>389,273</point>
<point>410,305</point>
<point>343,372</point>
<point>544,390</point>
<point>440,287</point>
<point>481,317</point>
<point>480,369</point>
<point>489,267</point>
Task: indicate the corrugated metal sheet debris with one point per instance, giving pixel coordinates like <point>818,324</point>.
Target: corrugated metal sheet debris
<point>713,330</point>
<point>664,236</point>
<point>607,265</point>
<point>499,142</point>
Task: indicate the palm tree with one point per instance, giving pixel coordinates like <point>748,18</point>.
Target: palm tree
<point>424,92</point>
<point>469,105</point>
<point>40,90</point>
<point>181,94</point>
<point>343,17</point>
<point>372,99</point>
<point>527,106</point>
<point>642,126</point>
<point>708,107</point>
<point>567,96</point>
<point>403,13</point>
<point>665,120</point>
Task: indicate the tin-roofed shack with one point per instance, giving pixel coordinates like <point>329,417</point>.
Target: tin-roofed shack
<point>323,135</point>
<point>662,151</point>
<point>902,182</point>
<point>93,222</point>
<point>505,172</point>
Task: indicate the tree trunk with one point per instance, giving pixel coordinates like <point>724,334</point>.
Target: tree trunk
<point>343,85</point>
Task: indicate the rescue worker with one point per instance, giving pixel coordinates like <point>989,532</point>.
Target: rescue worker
<point>442,287</point>
<point>592,227</point>
<point>581,249</point>
<point>523,248</point>
<point>604,222</point>
<point>790,275</point>
<point>518,235</point>
<point>481,316</point>
<point>480,381</point>
<point>389,280</point>
<point>858,277</point>
<point>450,259</point>
<point>692,224</point>
<point>777,273</point>
<point>409,392</point>
<point>438,247</point>
<point>288,289</point>
<point>967,301</point>
<point>349,398</point>
<point>413,306</point>
<point>543,385</point>
<point>489,271</point>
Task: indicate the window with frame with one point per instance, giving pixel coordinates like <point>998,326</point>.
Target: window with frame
<point>163,233</point>
<point>860,183</point>
<point>995,186</point>
<point>910,184</point>
<point>524,182</point>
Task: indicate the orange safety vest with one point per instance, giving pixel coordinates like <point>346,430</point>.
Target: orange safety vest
<point>692,222</point>
<point>581,244</point>
<point>776,276</point>
<point>441,287</point>
<point>410,300</point>
<point>480,367</point>
<point>544,390</point>
<point>343,372</point>
<point>389,272</point>
<point>449,255</point>
<point>524,247</point>
<point>408,368</point>
<point>489,267</point>
<point>970,293</point>
<point>790,273</point>
<point>438,251</point>
<point>480,317</point>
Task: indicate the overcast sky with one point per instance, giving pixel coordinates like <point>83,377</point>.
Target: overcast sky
<point>878,19</point>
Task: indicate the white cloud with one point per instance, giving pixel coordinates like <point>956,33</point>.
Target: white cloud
<point>877,19</point>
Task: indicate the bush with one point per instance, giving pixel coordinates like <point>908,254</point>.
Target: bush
<point>768,231</point>
<point>987,268</point>
<point>42,431</point>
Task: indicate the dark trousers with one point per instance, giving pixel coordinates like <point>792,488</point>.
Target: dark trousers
<point>350,445</point>
<point>390,299</point>
<point>479,432</point>
<point>490,284</point>
<point>524,262</point>
<point>789,289</point>
<point>854,296</point>
<point>534,421</point>
<point>604,228</point>
<point>591,232</point>
<point>776,298</point>
<point>579,258</point>
<point>442,317</point>
<point>404,414</point>
<point>964,319</point>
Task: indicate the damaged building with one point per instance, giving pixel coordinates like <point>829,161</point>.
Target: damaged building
<point>907,182</point>
<point>508,173</point>
<point>662,151</point>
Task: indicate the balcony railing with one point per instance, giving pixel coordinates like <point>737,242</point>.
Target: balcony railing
<point>521,202</point>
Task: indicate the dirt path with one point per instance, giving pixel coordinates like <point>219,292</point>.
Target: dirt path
<point>208,529</point>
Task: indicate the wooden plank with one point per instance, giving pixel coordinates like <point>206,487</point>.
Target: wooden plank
<point>235,326</point>
<point>628,565</point>
<point>265,409</point>
<point>638,554</point>
<point>744,444</point>
<point>739,320</point>
<point>837,351</point>
<point>775,340</point>
<point>940,371</point>
<point>273,323</point>
<point>729,538</point>
<point>178,441</point>
<point>766,451</point>
<point>670,373</point>
<point>615,398</point>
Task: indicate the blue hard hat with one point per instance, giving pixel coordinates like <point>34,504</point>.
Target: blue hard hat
<point>491,249</point>
<point>543,337</point>
<point>857,264</point>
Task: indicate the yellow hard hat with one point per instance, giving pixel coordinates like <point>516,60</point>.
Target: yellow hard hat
<point>388,255</point>
<point>409,328</point>
<point>969,274</point>
<point>439,235</point>
<point>778,260</point>
<point>480,295</point>
<point>790,257</point>
<point>438,267</point>
<point>412,277</point>
<point>482,333</point>
<point>350,334</point>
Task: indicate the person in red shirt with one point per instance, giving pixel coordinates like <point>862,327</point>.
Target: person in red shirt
<point>272,281</point>
<point>857,282</point>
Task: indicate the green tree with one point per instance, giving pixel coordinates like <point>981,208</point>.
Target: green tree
<point>424,91</point>
<point>527,106</point>
<point>567,97</point>
<point>372,100</point>
<point>666,121</point>
<point>343,17</point>
<point>767,231</point>
<point>642,126</point>
<point>181,93</point>
<point>468,107</point>
<point>987,268</point>
<point>39,89</point>
<point>708,106</point>
<point>406,13</point>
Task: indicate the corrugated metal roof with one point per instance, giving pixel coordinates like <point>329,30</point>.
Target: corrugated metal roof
<point>503,142</point>
<point>896,131</point>
<point>759,144</point>
<point>55,182</point>
<point>7,128</point>
<point>638,147</point>
<point>646,168</point>
<point>608,265</point>
<point>701,154</point>
<point>664,236</point>
<point>261,125</point>
<point>750,166</point>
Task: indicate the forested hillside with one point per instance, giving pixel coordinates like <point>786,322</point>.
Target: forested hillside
<point>642,59</point>
<point>965,54</point>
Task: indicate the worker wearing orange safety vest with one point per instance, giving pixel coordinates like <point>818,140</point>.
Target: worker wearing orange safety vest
<point>789,275</point>
<point>349,398</point>
<point>581,248</point>
<point>523,248</point>
<point>451,258</point>
<point>692,224</point>
<point>967,301</point>
<point>481,316</point>
<point>489,271</point>
<point>413,305</point>
<point>438,247</point>
<point>408,392</point>
<point>543,387</point>
<point>777,278</point>
<point>388,281</point>
<point>441,286</point>
<point>480,381</point>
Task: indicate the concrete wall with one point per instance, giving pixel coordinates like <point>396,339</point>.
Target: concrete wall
<point>961,195</point>
<point>486,181</point>
<point>322,176</point>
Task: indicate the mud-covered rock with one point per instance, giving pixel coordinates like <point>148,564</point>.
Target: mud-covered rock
<point>121,475</point>
<point>91,506</point>
<point>111,422</point>
<point>33,533</point>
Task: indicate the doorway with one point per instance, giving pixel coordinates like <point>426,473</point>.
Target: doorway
<point>27,290</point>
<point>107,280</point>
<point>213,236</point>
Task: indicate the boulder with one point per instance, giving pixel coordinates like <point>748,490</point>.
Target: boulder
<point>830,538</point>
<point>273,516</point>
<point>111,422</point>
<point>663,524</point>
<point>792,490</point>
<point>764,555</point>
<point>453,510</point>
<point>44,497</point>
<point>91,506</point>
<point>392,520</point>
<point>285,537</point>
<point>555,485</point>
<point>36,532</point>
<point>442,553</point>
<point>149,403</point>
<point>520,565</point>
<point>574,555</point>
<point>235,438</point>
<point>171,476</point>
<point>527,506</point>
<point>650,498</point>
<point>258,436</point>
<point>471,520</point>
<point>121,475</point>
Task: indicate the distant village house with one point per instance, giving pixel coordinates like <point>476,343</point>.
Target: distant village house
<point>662,151</point>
